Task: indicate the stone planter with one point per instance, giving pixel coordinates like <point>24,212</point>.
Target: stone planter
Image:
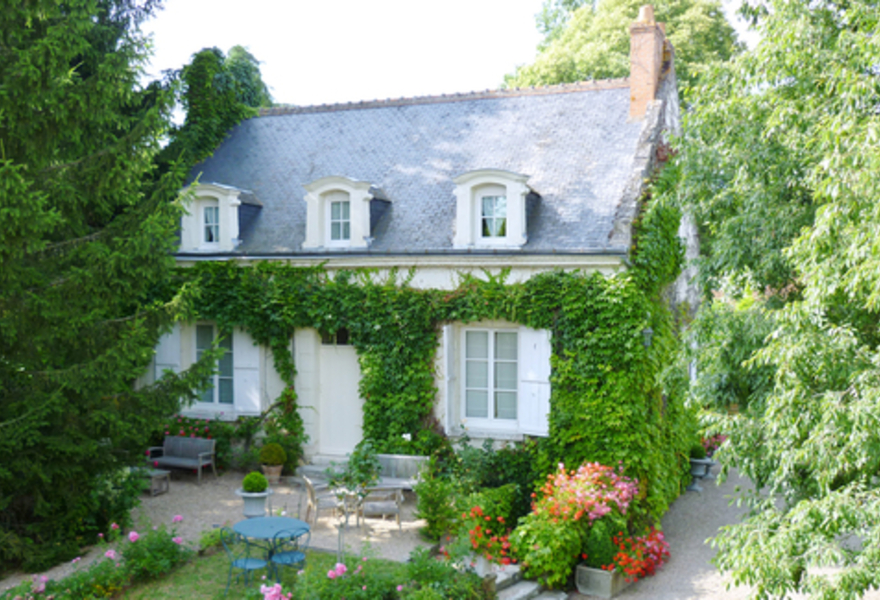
<point>701,468</point>
<point>254,503</point>
<point>598,582</point>
<point>273,473</point>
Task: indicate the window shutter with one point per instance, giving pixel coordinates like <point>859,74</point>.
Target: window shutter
<point>449,374</point>
<point>246,373</point>
<point>168,352</point>
<point>534,381</point>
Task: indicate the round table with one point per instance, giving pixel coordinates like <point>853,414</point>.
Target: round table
<point>266,528</point>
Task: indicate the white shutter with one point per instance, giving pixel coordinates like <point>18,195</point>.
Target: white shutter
<point>449,375</point>
<point>534,381</point>
<point>168,352</point>
<point>246,373</point>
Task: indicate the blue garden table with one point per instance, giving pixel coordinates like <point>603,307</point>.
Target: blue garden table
<point>266,528</point>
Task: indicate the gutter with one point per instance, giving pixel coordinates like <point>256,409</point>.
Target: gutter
<point>322,256</point>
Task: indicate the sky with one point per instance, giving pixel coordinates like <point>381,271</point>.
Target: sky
<point>318,52</point>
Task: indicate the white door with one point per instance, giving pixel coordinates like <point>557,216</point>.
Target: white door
<point>341,408</point>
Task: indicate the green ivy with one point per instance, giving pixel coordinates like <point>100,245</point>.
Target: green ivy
<point>607,404</point>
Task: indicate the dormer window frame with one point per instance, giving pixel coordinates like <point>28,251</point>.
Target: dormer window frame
<point>471,189</point>
<point>320,196</point>
<point>201,199</point>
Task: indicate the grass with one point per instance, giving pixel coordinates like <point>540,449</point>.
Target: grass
<point>205,577</point>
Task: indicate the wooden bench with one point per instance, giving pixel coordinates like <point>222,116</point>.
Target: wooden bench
<point>184,453</point>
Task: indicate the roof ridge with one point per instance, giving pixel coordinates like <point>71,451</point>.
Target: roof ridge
<point>563,88</point>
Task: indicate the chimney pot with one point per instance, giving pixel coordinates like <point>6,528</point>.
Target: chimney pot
<point>647,39</point>
<point>646,15</point>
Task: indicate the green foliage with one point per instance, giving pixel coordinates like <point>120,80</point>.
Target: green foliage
<point>435,501</point>
<point>254,483</point>
<point>587,40</point>
<point>86,235</point>
<point>599,546</point>
<point>225,433</point>
<point>779,161</point>
<point>273,454</point>
<point>432,577</point>
<point>360,472</point>
<point>153,554</point>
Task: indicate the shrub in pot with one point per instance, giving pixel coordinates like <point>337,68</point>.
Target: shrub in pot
<point>273,457</point>
<point>254,483</point>
<point>254,491</point>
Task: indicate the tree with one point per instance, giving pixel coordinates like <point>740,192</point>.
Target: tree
<point>586,41</point>
<point>218,93</point>
<point>780,154</point>
<point>86,235</point>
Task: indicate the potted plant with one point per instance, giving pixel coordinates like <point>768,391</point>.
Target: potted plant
<point>618,560</point>
<point>254,491</point>
<point>701,466</point>
<point>273,457</point>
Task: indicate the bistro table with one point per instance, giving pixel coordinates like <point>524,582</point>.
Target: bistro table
<point>266,528</point>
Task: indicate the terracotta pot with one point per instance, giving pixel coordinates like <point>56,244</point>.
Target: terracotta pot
<point>273,473</point>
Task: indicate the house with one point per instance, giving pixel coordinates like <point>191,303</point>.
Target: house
<point>530,180</point>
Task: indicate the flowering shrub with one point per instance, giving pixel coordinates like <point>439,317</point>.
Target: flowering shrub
<point>639,557</point>
<point>712,443</point>
<point>551,539</point>
<point>488,535</point>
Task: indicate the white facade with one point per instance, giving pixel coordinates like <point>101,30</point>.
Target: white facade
<point>211,220</point>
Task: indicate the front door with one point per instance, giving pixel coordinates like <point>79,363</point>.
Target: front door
<point>341,408</point>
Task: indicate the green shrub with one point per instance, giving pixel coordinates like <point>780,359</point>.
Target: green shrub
<point>361,471</point>
<point>432,578</point>
<point>599,546</point>
<point>698,451</point>
<point>435,502</point>
<point>152,554</point>
<point>273,454</point>
<point>254,483</point>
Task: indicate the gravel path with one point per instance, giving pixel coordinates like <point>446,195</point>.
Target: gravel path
<point>689,574</point>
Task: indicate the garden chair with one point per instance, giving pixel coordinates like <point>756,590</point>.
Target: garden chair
<point>238,548</point>
<point>318,502</point>
<point>381,502</point>
<point>289,550</point>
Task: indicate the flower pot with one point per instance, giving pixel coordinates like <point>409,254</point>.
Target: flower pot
<point>599,582</point>
<point>273,473</point>
<point>701,467</point>
<point>254,503</point>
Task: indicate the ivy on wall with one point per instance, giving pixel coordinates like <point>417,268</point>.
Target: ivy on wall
<point>606,405</point>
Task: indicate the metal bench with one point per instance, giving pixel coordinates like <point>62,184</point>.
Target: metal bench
<point>184,453</point>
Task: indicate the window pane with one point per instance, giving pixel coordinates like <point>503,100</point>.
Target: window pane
<point>346,230</point>
<point>477,344</point>
<point>505,405</point>
<point>207,395</point>
<point>225,365</point>
<point>501,207</point>
<point>505,376</point>
<point>335,210</point>
<point>477,374</point>
<point>505,345</point>
<point>204,336</point>
<point>488,206</point>
<point>225,391</point>
<point>500,227</point>
<point>345,207</point>
<point>335,229</point>
<point>477,404</point>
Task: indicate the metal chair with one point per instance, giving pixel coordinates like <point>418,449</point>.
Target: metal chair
<point>318,502</point>
<point>238,548</point>
<point>289,550</point>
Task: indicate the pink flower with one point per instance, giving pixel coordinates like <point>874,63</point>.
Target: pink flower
<point>177,540</point>
<point>400,588</point>
<point>271,593</point>
<point>177,518</point>
<point>341,569</point>
<point>101,536</point>
<point>331,574</point>
<point>155,463</point>
<point>133,536</point>
<point>181,432</point>
<point>147,452</point>
<point>76,560</point>
<point>111,554</point>
<point>114,526</point>
<point>363,588</point>
<point>166,433</point>
<point>192,435</point>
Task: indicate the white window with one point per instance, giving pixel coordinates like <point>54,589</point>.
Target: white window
<point>340,220</point>
<point>494,216</point>
<point>337,213</point>
<point>491,380</point>
<point>490,209</point>
<point>220,389</point>
<point>212,223</point>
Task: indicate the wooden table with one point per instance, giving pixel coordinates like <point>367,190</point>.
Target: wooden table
<point>160,481</point>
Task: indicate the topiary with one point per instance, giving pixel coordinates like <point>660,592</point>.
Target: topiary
<point>698,451</point>
<point>255,483</point>
<point>273,454</point>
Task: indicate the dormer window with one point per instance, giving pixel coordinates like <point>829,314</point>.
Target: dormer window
<point>490,209</point>
<point>212,222</point>
<point>338,213</point>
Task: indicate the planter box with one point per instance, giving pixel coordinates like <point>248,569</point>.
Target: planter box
<point>599,583</point>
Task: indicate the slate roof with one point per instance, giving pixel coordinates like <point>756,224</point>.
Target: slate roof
<point>574,142</point>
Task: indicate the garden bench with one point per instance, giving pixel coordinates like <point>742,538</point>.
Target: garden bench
<point>184,453</point>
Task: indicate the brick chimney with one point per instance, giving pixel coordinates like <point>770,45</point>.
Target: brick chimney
<point>647,40</point>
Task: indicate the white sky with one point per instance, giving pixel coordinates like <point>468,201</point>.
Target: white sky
<point>329,51</point>
<point>316,52</point>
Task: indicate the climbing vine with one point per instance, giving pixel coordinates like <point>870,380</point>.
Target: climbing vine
<point>606,403</point>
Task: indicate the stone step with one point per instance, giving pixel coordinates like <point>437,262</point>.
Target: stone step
<point>550,595</point>
<point>507,577</point>
<point>522,590</point>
